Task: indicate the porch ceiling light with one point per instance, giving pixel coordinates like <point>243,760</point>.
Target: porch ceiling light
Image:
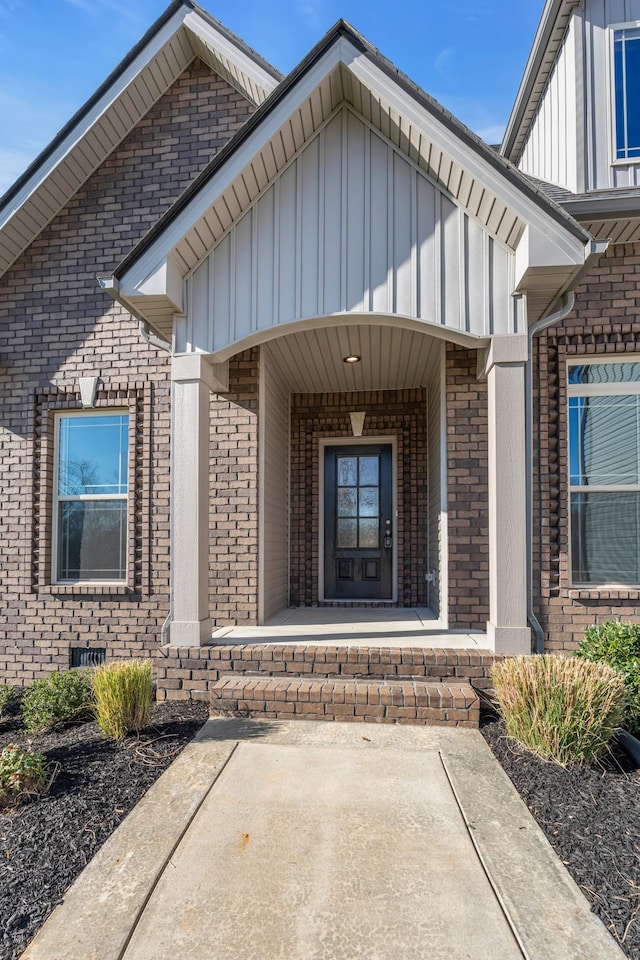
<point>352,358</point>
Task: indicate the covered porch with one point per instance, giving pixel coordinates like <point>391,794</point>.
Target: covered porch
<point>352,279</point>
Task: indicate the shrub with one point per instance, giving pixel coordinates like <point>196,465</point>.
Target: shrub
<point>561,708</point>
<point>124,694</point>
<point>618,644</point>
<point>8,695</point>
<point>22,773</point>
<point>56,699</point>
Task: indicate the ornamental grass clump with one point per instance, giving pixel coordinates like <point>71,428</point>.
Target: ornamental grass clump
<point>57,699</point>
<point>562,709</point>
<point>617,643</point>
<point>124,695</point>
<point>22,774</point>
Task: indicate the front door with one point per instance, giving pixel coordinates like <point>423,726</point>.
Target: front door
<point>358,522</point>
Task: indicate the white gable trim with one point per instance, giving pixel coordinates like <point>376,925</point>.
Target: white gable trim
<point>109,97</point>
<point>130,282</point>
<point>142,82</point>
<point>563,247</point>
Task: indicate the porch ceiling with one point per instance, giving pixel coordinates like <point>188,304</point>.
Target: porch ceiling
<point>391,359</point>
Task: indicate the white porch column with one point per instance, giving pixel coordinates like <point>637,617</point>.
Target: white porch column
<point>507,629</point>
<point>193,378</point>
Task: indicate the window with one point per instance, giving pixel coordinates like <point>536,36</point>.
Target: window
<point>626,70</point>
<point>91,493</point>
<point>604,472</point>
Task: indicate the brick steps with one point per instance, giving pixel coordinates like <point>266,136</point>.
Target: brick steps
<point>400,684</point>
<point>361,699</point>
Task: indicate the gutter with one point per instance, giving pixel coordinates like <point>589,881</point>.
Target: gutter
<point>567,302</point>
<point>111,286</point>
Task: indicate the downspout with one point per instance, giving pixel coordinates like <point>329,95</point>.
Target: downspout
<point>152,340</point>
<point>566,306</point>
<point>111,286</point>
<point>594,251</point>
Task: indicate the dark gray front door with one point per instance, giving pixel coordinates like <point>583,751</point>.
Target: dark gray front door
<point>358,522</point>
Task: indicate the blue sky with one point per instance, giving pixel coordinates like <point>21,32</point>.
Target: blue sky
<point>468,54</point>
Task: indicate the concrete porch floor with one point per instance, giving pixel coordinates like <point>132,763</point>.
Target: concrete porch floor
<point>358,626</point>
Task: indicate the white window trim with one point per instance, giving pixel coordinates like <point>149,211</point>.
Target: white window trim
<point>630,388</point>
<point>613,28</point>
<point>57,499</point>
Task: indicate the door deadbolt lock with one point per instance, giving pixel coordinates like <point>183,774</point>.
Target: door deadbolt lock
<point>388,538</point>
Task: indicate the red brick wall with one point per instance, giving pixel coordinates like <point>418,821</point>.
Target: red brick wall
<point>467,491</point>
<point>605,320</point>
<point>56,325</point>
<point>399,413</point>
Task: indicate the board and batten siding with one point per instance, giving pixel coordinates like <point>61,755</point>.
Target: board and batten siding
<point>350,226</point>
<point>572,138</point>
<point>273,442</point>
<point>550,151</point>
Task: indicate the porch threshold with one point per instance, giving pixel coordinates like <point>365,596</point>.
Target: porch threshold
<point>354,626</point>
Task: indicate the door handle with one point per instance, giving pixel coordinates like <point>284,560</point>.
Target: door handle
<point>388,537</point>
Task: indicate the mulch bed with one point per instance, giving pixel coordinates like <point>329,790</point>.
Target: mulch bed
<point>45,843</point>
<point>591,817</point>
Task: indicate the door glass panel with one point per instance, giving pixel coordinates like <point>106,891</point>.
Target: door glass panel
<point>347,502</point>
<point>369,533</point>
<point>347,471</point>
<point>368,470</point>
<point>347,534</point>
<point>368,502</point>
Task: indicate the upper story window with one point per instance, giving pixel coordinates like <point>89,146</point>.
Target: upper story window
<point>626,68</point>
<point>91,494</point>
<point>604,472</point>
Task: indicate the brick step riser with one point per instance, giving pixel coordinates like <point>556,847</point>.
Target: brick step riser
<point>422,716</point>
<point>373,701</point>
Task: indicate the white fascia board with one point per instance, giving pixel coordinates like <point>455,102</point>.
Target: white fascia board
<point>536,250</point>
<point>164,281</point>
<point>365,70</point>
<point>245,64</point>
<point>341,52</point>
<point>152,49</point>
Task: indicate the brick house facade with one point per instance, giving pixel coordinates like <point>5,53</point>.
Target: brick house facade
<point>236,225</point>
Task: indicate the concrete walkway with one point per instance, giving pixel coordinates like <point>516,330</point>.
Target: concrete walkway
<point>326,841</point>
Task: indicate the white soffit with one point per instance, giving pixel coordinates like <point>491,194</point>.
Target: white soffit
<point>101,125</point>
<point>431,139</point>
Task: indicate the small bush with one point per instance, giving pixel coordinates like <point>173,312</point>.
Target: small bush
<point>618,644</point>
<point>8,696</point>
<point>561,708</point>
<point>124,694</point>
<point>56,699</point>
<point>22,773</point>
